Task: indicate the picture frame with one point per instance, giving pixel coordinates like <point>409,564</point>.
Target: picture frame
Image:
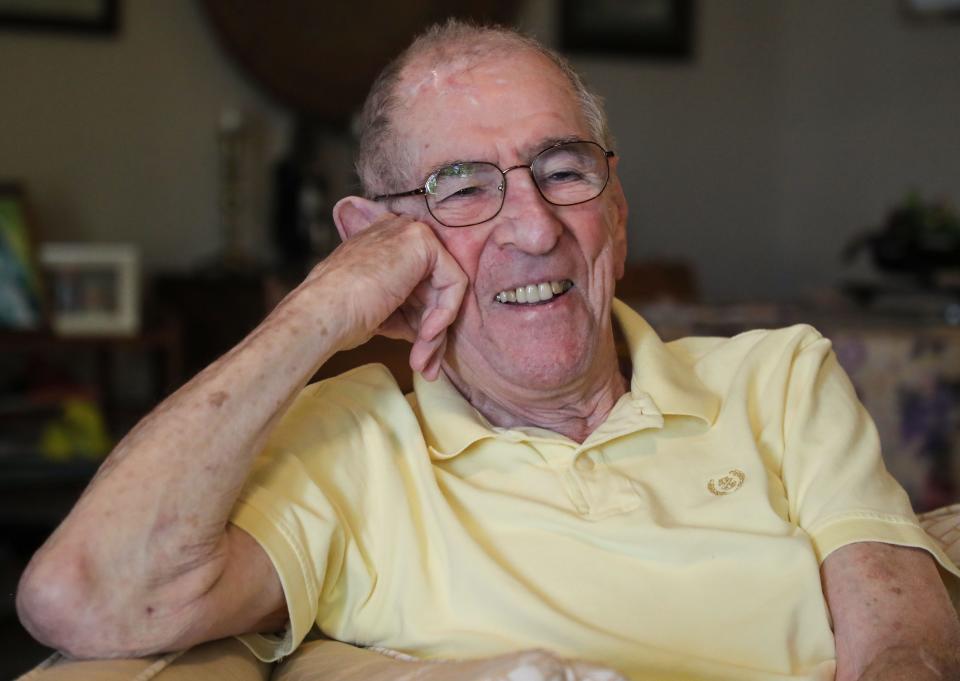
<point>21,285</point>
<point>77,16</point>
<point>661,29</point>
<point>94,289</point>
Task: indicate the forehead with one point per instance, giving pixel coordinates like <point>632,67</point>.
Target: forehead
<point>496,109</point>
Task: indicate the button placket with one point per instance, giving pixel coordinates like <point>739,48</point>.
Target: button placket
<point>562,459</point>
<point>607,490</point>
<point>584,463</point>
<point>575,490</point>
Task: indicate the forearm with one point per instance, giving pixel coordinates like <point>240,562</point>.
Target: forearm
<point>150,527</point>
<point>146,556</point>
<point>913,664</point>
<point>892,616</point>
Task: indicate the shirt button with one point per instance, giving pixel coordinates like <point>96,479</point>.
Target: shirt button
<point>584,463</point>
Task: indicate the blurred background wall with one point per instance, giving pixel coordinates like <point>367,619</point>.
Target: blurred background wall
<point>793,126</point>
<point>116,138</point>
<point>796,124</point>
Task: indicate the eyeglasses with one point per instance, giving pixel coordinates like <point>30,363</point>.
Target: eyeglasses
<point>468,193</point>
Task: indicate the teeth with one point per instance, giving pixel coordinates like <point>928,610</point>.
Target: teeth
<point>535,293</point>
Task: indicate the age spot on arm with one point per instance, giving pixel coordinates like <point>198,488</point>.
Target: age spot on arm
<point>218,398</point>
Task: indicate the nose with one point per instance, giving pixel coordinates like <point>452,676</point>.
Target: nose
<point>526,221</point>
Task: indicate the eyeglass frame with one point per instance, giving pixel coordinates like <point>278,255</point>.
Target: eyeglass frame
<point>422,191</point>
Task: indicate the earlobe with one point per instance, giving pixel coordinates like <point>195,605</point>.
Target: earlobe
<point>353,214</point>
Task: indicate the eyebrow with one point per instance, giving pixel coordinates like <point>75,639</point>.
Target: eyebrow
<point>529,151</point>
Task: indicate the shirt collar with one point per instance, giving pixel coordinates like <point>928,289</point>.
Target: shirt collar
<point>674,387</point>
<point>451,424</point>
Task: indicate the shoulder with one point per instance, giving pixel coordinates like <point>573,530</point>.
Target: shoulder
<point>348,406</point>
<point>371,385</point>
<point>760,351</point>
<point>757,343</point>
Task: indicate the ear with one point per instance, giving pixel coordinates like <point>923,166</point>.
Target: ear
<point>620,213</point>
<point>353,214</point>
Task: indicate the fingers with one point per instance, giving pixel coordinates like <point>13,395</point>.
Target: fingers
<point>446,286</point>
<point>397,325</point>
<point>399,278</point>
<point>427,357</point>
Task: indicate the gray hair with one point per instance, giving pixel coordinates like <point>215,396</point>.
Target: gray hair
<point>380,157</point>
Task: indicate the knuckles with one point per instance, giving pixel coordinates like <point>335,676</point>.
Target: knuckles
<point>387,275</point>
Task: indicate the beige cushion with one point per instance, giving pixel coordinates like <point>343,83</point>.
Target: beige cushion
<point>224,660</point>
<point>333,661</point>
<point>943,525</point>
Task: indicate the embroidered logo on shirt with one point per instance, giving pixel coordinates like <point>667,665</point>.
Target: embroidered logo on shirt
<point>727,484</point>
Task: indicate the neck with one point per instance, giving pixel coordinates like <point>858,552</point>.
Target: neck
<point>574,410</point>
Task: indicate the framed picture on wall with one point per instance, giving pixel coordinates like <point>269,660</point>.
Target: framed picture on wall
<point>94,289</point>
<point>21,290</point>
<point>650,28</point>
<point>84,16</point>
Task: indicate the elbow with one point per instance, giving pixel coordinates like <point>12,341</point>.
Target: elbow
<point>50,606</point>
<point>65,606</point>
<point>57,604</point>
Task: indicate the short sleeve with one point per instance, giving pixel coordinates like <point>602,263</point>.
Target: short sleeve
<point>311,501</point>
<point>286,508</point>
<point>297,527</point>
<point>838,488</point>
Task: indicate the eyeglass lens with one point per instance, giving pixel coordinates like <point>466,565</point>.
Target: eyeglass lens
<point>468,193</point>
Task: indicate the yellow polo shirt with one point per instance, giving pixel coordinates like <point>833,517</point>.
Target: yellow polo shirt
<point>681,540</point>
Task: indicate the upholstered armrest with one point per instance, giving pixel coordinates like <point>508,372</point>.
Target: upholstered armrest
<point>224,660</point>
<point>943,525</point>
<point>333,661</point>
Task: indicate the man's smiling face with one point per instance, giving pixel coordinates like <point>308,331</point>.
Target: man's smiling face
<point>504,111</point>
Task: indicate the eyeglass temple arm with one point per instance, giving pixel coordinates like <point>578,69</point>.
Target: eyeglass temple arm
<point>412,192</point>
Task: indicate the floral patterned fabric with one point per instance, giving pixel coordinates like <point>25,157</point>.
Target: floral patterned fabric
<point>910,383</point>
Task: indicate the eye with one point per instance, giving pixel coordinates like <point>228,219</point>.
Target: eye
<point>462,193</point>
<point>566,175</point>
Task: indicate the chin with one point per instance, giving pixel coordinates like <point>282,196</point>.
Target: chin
<point>544,366</point>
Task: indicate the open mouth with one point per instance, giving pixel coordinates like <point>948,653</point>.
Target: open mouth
<point>532,294</point>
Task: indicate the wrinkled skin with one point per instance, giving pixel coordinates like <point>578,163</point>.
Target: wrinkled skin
<point>551,365</point>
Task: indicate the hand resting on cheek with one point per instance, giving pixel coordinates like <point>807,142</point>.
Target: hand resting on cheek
<point>395,278</point>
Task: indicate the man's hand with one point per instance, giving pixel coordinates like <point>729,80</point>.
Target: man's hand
<point>396,279</point>
<point>339,661</point>
<point>892,617</point>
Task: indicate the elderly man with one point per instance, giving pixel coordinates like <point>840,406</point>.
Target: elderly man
<point>718,511</point>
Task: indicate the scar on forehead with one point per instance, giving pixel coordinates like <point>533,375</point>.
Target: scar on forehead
<point>451,78</point>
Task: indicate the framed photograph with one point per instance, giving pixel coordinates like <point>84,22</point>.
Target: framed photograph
<point>84,16</point>
<point>93,289</point>
<point>651,28</point>
<point>21,291</point>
